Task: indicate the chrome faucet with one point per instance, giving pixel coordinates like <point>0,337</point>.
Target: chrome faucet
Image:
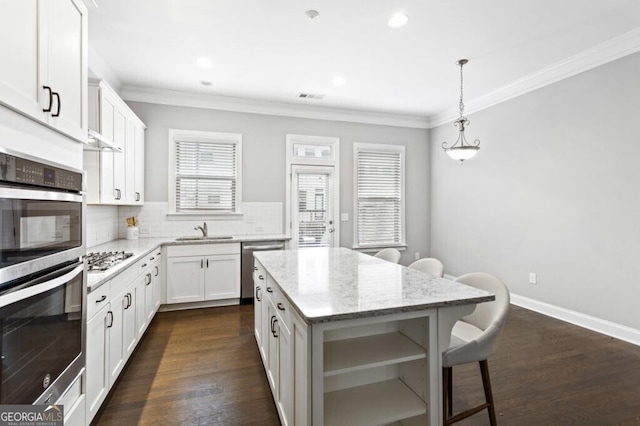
<point>203,229</point>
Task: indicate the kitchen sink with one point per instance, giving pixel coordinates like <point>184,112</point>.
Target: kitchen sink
<point>216,237</point>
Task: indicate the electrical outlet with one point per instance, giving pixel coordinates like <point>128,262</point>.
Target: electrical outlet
<point>417,255</point>
<point>344,217</point>
<point>533,278</point>
<point>144,230</point>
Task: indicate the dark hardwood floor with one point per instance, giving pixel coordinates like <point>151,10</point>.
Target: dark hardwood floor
<point>202,367</point>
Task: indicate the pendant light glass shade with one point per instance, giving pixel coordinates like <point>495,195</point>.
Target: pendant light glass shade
<point>461,150</point>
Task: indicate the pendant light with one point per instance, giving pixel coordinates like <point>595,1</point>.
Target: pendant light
<point>461,150</point>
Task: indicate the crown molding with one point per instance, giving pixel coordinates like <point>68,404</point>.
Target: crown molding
<point>100,69</point>
<point>601,54</point>
<point>254,106</point>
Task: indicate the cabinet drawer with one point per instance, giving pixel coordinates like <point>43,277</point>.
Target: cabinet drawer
<point>149,260</point>
<point>283,309</point>
<point>98,299</point>
<point>203,249</point>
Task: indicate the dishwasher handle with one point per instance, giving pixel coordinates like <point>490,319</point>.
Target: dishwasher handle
<point>266,247</point>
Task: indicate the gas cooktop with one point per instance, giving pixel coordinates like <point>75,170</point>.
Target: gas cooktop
<point>99,262</point>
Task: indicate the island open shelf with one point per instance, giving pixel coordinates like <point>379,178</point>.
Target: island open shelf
<point>345,356</point>
<point>373,404</point>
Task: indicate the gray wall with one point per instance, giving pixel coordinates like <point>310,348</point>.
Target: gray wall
<point>263,158</point>
<point>555,190</point>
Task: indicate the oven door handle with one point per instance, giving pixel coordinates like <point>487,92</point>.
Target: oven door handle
<point>38,286</point>
<point>36,194</point>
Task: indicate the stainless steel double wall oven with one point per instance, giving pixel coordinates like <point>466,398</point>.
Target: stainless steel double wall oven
<point>42,279</point>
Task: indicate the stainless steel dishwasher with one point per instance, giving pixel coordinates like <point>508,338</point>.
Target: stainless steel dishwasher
<point>246,278</point>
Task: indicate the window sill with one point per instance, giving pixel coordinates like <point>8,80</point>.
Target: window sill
<point>375,249</point>
<point>204,216</point>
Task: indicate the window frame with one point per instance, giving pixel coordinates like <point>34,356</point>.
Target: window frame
<point>379,148</point>
<point>203,136</point>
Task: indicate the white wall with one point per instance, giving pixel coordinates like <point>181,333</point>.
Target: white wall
<point>263,146</point>
<point>555,190</point>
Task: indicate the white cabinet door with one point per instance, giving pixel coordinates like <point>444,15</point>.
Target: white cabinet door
<point>97,371</point>
<point>149,303</point>
<point>117,354</point>
<point>138,176</point>
<point>141,317</point>
<point>272,348</point>
<point>258,306</point>
<point>222,277</point>
<point>119,158</point>
<point>44,69</point>
<point>19,86</point>
<point>66,71</point>
<point>285,374</point>
<point>129,322</point>
<point>157,284</point>
<point>129,196</point>
<point>185,279</point>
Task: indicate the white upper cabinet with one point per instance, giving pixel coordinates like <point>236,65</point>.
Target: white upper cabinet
<point>44,71</point>
<point>114,177</point>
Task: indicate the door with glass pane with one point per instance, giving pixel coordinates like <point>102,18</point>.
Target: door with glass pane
<point>312,220</point>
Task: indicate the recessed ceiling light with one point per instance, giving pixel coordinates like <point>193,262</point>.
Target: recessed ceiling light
<point>398,20</point>
<point>312,14</point>
<point>339,80</point>
<point>205,83</point>
<point>204,62</point>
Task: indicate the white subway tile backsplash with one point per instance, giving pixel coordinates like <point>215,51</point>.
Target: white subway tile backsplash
<point>102,224</point>
<point>256,219</point>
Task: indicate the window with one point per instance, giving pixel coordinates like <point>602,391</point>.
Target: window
<point>379,195</point>
<point>206,172</point>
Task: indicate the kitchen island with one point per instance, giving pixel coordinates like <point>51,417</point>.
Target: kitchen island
<point>349,339</point>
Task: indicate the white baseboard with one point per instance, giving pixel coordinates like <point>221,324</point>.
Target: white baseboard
<point>608,328</point>
<point>598,325</point>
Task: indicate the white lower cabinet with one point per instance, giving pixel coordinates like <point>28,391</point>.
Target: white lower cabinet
<point>116,324</point>
<point>203,272</point>
<point>282,340</point>
<point>97,370</point>
<point>74,401</point>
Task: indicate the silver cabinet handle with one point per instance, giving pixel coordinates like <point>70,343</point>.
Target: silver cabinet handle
<point>258,294</point>
<point>157,271</point>
<point>269,290</point>
<point>280,306</point>
<point>260,277</point>
<point>201,263</point>
<point>149,279</point>
<point>102,299</point>
<point>110,315</point>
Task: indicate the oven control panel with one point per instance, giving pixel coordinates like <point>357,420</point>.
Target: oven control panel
<point>23,171</point>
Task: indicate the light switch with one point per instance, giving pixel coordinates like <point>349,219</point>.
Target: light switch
<point>344,217</point>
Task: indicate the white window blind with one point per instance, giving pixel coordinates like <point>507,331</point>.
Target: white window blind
<point>379,196</point>
<point>206,175</point>
<point>313,196</point>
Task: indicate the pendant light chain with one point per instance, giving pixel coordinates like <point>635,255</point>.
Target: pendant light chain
<point>461,105</point>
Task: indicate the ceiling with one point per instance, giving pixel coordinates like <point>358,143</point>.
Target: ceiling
<point>268,50</point>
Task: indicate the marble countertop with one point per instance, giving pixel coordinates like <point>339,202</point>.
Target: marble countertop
<point>143,246</point>
<point>337,283</point>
